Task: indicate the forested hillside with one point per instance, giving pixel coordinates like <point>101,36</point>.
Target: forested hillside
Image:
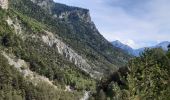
<point>146,78</point>
<point>74,26</point>
<point>51,51</point>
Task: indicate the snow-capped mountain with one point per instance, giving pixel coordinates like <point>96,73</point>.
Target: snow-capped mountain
<point>136,52</point>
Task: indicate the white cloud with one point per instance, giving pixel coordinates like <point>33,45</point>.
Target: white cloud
<point>130,43</point>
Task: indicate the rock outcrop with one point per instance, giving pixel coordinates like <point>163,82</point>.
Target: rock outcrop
<point>23,67</point>
<point>69,53</point>
<point>15,24</point>
<point>4,4</point>
<point>64,12</point>
<point>77,14</point>
<point>46,4</point>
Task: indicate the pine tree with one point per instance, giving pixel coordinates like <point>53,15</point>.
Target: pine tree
<point>169,46</point>
<point>149,76</point>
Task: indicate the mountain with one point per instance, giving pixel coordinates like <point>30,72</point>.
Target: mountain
<point>74,27</point>
<point>163,45</point>
<point>136,52</point>
<point>51,51</point>
<point>124,47</point>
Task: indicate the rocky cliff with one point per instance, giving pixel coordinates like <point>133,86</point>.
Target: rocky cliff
<point>70,54</point>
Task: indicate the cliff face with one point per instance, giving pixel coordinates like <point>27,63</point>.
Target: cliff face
<point>64,12</point>
<point>70,54</point>
<point>45,4</point>
<point>82,15</point>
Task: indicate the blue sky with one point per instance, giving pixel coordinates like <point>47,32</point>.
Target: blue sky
<point>138,23</point>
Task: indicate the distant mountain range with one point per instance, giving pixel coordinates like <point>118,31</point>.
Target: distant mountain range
<point>136,52</point>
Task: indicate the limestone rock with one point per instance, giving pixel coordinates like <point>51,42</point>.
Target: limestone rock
<point>23,67</point>
<point>4,4</point>
<point>70,54</point>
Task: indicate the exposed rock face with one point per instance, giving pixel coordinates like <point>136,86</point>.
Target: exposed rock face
<point>65,13</point>
<point>46,4</point>
<point>83,15</point>
<point>69,53</point>
<point>15,24</point>
<point>4,4</point>
<point>23,67</point>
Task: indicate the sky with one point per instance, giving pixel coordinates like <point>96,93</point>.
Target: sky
<point>137,23</point>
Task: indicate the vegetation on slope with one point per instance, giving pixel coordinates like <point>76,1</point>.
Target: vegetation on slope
<point>14,87</point>
<point>83,37</point>
<point>147,79</point>
<point>42,59</point>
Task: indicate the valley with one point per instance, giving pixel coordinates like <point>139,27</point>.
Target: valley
<point>52,51</point>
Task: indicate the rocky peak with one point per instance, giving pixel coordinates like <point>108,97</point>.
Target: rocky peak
<point>4,4</point>
<point>77,14</point>
<point>64,12</point>
<point>71,13</point>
